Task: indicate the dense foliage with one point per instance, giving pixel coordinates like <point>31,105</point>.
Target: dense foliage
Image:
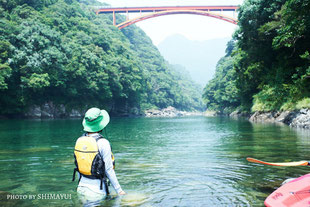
<point>61,52</point>
<point>271,61</point>
<point>221,92</point>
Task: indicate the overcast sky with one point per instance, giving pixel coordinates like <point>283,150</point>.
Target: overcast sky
<point>193,27</point>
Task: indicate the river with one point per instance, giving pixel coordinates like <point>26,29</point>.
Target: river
<point>187,161</point>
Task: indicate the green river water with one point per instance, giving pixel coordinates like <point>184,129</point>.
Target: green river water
<point>187,161</point>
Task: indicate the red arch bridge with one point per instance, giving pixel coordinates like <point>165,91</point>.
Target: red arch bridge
<point>151,12</point>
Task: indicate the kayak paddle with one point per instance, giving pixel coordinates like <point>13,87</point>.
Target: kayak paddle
<point>286,164</point>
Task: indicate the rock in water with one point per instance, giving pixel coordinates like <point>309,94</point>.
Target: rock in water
<point>133,199</point>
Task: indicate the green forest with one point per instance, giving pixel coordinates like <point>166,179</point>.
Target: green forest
<point>267,63</point>
<point>61,52</point>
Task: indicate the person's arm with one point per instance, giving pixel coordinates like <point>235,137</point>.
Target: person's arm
<point>105,150</point>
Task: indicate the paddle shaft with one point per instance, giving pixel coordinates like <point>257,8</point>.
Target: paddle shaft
<point>285,164</point>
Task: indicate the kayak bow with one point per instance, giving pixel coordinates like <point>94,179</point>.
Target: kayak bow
<point>295,193</point>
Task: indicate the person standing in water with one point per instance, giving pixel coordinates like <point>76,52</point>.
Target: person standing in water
<point>94,159</point>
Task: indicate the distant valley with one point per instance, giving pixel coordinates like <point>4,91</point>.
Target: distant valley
<point>198,57</point>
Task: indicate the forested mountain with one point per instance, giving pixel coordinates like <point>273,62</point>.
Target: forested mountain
<point>198,57</point>
<point>61,52</point>
<point>269,69</point>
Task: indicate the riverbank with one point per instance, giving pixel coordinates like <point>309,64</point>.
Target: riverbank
<point>170,112</point>
<point>299,118</point>
<point>50,111</point>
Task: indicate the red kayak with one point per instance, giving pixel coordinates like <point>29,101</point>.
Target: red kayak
<point>295,193</point>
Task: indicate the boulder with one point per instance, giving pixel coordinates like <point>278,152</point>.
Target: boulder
<point>300,119</point>
<point>169,112</point>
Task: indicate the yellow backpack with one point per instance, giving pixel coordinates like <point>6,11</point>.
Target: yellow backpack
<point>88,160</point>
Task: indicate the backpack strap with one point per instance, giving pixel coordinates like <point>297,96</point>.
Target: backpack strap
<point>74,172</point>
<point>80,178</point>
<point>75,169</point>
<point>103,178</point>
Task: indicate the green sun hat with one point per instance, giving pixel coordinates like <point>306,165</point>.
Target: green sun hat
<point>95,120</point>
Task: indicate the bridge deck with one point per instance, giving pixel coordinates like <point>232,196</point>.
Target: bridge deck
<point>165,8</point>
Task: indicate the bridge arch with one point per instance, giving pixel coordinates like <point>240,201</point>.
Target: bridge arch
<point>170,12</point>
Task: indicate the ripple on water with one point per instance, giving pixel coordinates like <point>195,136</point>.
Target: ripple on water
<point>160,162</point>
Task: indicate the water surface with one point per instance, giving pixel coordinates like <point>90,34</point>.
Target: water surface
<point>188,161</point>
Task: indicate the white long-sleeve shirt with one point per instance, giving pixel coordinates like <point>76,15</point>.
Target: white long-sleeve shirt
<point>105,151</point>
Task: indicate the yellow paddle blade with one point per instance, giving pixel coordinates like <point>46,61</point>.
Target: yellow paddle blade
<point>286,164</point>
